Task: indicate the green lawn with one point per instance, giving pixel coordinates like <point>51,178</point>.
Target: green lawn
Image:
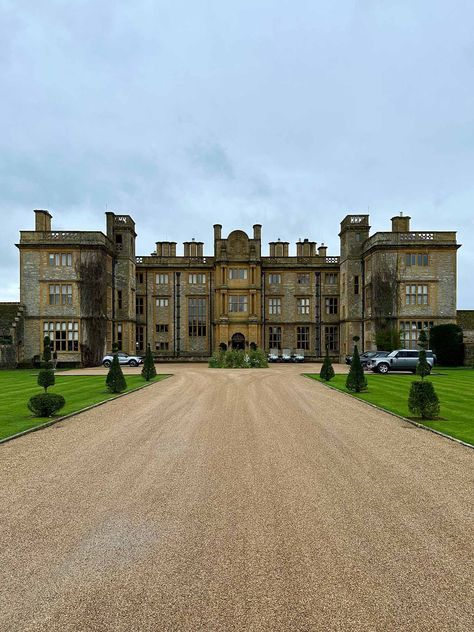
<point>79,391</point>
<point>455,389</point>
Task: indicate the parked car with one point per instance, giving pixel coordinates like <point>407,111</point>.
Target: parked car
<point>123,358</point>
<point>400,360</point>
<point>273,355</point>
<point>367,355</point>
<point>298,356</point>
<point>286,355</point>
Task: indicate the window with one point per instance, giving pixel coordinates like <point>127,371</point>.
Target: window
<point>237,273</point>
<point>162,302</point>
<point>274,337</point>
<point>60,294</point>
<point>197,317</point>
<point>330,278</point>
<point>416,295</point>
<point>356,284</point>
<point>331,305</point>
<point>197,278</point>
<point>416,259</point>
<point>303,279</point>
<point>119,335</point>
<point>139,277</point>
<point>119,299</point>
<point>410,332</point>
<point>274,279</point>
<point>140,305</point>
<point>162,346</point>
<point>237,303</point>
<point>140,337</point>
<point>331,338</point>
<point>274,306</point>
<point>119,241</point>
<point>302,337</point>
<point>60,259</point>
<point>161,329</point>
<point>161,279</point>
<point>302,305</point>
<point>64,335</point>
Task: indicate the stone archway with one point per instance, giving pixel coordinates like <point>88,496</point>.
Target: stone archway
<point>238,341</point>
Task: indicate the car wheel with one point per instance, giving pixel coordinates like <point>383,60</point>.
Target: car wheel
<point>107,363</point>
<point>133,363</point>
<point>383,367</point>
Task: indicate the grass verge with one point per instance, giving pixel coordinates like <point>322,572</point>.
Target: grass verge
<point>79,391</point>
<point>455,389</point>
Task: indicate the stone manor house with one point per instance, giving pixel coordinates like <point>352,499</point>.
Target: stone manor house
<point>88,290</point>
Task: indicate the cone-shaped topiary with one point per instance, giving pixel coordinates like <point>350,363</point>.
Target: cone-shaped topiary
<point>423,400</point>
<point>115,379</point>
<point>148,371</point>
<point>46,378</point>
<point>46,351</point>
<point>327,372</point>
<point>356,380</point>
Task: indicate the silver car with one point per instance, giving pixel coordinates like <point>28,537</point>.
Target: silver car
<point>123,358</point>
<point>400,360</point>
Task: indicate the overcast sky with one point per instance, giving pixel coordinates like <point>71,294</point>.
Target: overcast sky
<point>184,113</point>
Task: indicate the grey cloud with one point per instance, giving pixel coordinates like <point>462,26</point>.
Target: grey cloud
<point>286,113</point>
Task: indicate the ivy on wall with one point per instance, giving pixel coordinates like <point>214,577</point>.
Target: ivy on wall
<point>92,272</point>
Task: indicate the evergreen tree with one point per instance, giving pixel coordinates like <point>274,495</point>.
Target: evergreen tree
<point>423,367</point>
<point>115,380</point>
<point>356,380</point>
<point>47,350</point>
<point>148,371</point>
<point>327,372</point>
<point>423,399</point>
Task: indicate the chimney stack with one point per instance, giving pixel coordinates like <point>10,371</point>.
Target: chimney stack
<point>401,223</point>
<point>43,221</point>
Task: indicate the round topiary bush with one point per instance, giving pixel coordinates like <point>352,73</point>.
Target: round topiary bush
<point>46,378</point>
<point>46,404</point>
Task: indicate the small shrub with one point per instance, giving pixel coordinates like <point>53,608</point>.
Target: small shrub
<point>327,372</point>
<point>115,380</point>
<point>253,346</point>
<point>238,359</point>
<point>223,346</point>
<point>257,359</point>
<point>148,371</point>
<point>46,404</point>
<point>356,380</point>
<point>423,400</point>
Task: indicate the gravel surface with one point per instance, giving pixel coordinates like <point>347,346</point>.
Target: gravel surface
<point>235,500</point>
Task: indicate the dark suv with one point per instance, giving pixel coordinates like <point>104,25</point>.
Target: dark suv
<point>400,360</point>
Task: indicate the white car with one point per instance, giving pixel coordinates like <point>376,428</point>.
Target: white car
<point>286,355</point>
<point>273,355</point>
<point>123,358</point>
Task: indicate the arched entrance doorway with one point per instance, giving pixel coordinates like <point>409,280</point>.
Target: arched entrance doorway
<point>238,341</point>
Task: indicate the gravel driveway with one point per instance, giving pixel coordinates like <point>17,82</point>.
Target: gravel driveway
<point>235,500</point>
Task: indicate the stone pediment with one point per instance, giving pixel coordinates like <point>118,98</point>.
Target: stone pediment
<point>238,245</point>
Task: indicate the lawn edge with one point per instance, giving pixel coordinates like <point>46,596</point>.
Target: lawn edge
<point>82,410</point>
<point>384,410</point>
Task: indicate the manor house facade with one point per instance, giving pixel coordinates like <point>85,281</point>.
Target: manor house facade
<point>88,290</point>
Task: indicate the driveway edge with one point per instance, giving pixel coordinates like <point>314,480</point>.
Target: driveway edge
<point>78,412</point>
<point>384,410</point>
